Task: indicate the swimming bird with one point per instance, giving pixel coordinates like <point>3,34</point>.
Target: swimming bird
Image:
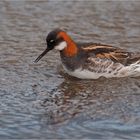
<point>91,61</point>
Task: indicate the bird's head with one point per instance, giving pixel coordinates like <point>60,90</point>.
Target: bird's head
<point>59,40</point>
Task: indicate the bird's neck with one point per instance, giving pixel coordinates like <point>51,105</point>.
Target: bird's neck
<point>71,49</point>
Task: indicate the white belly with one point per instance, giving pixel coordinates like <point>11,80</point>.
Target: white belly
<point>86,74</point>
<point>123,72</point>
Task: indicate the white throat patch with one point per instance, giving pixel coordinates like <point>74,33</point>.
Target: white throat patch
<point>61,46</point>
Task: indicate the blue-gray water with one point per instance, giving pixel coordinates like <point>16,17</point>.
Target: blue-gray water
<point>40,100</point>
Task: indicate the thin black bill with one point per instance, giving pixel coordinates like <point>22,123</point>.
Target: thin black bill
<point>40,56</point>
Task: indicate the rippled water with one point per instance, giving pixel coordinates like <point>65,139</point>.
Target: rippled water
<point>40,100</point>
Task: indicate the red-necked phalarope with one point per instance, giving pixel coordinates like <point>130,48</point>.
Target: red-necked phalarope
<point>91,61</point>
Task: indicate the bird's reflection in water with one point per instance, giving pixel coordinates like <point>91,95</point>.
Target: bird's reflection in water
<point>90,99</point>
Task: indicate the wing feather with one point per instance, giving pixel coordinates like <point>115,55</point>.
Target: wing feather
<point>112,53</point>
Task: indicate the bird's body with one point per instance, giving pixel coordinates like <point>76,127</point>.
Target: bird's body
<point>91,61</point>
<point>98,60</point>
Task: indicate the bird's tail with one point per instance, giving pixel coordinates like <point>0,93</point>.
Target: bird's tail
<point>135,69</point>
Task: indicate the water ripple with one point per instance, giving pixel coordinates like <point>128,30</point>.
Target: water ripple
<point>40,100</point>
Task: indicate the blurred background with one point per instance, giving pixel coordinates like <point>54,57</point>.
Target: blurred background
<point>40,100</point>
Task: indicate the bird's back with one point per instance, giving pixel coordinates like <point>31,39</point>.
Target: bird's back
<point>108,61</point>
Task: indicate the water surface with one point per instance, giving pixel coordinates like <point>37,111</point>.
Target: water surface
<point>40,100</point>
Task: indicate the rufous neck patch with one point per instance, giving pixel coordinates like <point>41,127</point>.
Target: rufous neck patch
<point>71,48</point>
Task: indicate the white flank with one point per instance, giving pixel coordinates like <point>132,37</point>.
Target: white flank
<point>61,46</point>
<point>133,70</point>
<point>84,74</point>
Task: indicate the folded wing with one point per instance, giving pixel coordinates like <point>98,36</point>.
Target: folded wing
<point>114,54</point>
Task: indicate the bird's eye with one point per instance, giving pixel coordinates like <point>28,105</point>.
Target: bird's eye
<point>51,41</point>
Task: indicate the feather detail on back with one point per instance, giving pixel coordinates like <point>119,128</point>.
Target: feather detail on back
<point>117,55</point>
